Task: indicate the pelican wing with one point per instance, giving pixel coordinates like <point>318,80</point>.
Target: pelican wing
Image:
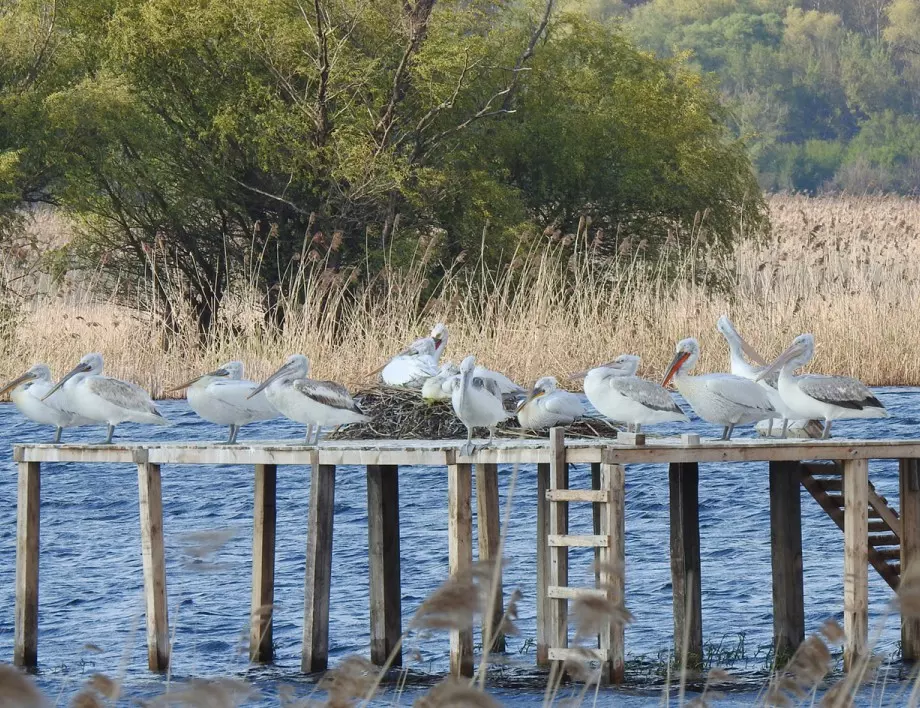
<point>122,393</point>
<point>327,393</point>
<point>738,391</point>
<point>644,392</point>
<point>565,405</point>
<point>234,393</point>
<point>489,384</point>
<point>841,391</point>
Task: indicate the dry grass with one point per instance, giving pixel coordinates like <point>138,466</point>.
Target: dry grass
<point>840,267</point>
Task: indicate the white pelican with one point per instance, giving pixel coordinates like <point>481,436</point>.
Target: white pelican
<point>222,397</point>
<point>27,393</point>
<point>439,337</point>
<point>441,386</point>
<point>617,393</point>
<point>738,347</point>
<point>412,366</point>
<point>821,397</point>
<point>307,401</point>
<point>477,401</point>
<point>548,405</point>
<point>720,399</point>
<point>91,394</point>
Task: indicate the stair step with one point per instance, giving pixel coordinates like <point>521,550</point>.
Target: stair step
<point>886,539</point>
<point>577,495</point>
<point>561,592</point>
<point>836,499</point>
<point>878,525</point>
<point>570,540</point>
<point>578,654</point>
<point>832,484</point>
<point>889,553</point>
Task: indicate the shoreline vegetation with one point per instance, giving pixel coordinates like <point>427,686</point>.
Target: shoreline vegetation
<point>841,267</point>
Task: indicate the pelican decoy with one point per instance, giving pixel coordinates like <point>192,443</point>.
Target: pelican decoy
<point>826,398</point>
<point>222,397</point>
<point>477,401</point>
<point>441,386</point>
<point>28,392</point>
<point>720,399</point>
<point>103,399</point>
<point>308,401</point>
<point>617,393</point>
<point>412,366</point>
<point>548,406</point>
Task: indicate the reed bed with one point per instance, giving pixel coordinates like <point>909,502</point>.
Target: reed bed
<point>840,267</point>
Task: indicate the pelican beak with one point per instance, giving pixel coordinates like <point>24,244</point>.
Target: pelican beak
<point>778,363</point>
<point>576,375</point>
<point>78,369</point>
<point>676,363</point>
<point>217,373</point>
<point>28,376</point>
<point>752,353</point>
<point>265,384</point>
<point>535,393</point>
<point>438,341</point>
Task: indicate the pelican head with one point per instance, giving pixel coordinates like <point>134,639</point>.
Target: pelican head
<point>38,372</point>
<point>297,366</point>
<point>798,354</point>
<point>727,329</point>
<point>545,385</point>
<point>439,335</point>
<point>89,364</point>
<point>623,365</point>
<point>231,370</point>
<point>685,357</point>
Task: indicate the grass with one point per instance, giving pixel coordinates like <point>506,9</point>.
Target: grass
<point>839,267</point>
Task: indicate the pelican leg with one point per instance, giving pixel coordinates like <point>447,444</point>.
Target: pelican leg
<point>108,438</point>
<point>319,431</point>
<point>725,433</point>
<point>769,427</point>
<point>57,434</point>
<point>467,449</point>
<point>731,429</point>
<point>785,427</point>
<point>826,433</point>
<point>637,427</point>
<point>234,429</point>
<point>309,434</point>
<point>491,436</point>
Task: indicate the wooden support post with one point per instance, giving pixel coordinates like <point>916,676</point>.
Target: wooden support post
<point>150,493</point>
<point>263,564</point>
<point>488,515</point>
<point>558,633</point>
<point>460,544</point>
<point>596,518</point>
<point>684,480</point>
<point>909,474</point>
<point>25,642</point>
<point>855,560</point>
<point>786,556</point>
<point>542,564</point>
<point>383,561</point>
<point>613,577</point>
<point>318,567</point>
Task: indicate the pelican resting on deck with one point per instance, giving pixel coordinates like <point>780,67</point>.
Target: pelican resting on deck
<point>548,406</point>
<point>308,401</point>
<point>477,401</point>
<point>720,399</point>
<point>617,393</point>
<point>103,399</point>
<point>222,397</point>
<point>28,393</point>
<point>826,398</point>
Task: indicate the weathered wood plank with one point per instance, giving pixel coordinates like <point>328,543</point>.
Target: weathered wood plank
<point>684,480</point>
<point>577,541</point>
<point>151,514</point>
<point>384,565</point>
<point>318,575</point>
<point>262,603</point>
<point>557,633</point>
<point>488,515</point>
<point>577,654</point>
<point>786,558</point>
<point>577,495</point>
<point>556,592</point>
<point>596,515</point>
<point>460,545</point>
<point>613,575</point>
<point>909,483</point>
<point>25,639</point>
<point>883,510</point>
<point>542,564</point>
<point>855,560</point>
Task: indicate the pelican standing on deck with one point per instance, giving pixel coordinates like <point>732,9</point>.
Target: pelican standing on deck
<point>617,393</point>
<point>720,399</point>
<point>308,401</point>
<point>827,398</point>
<point>27,393</point>
<point>103,399</point>
<point>477,401</point>
<point>548,406</point>
<point>222,397</point>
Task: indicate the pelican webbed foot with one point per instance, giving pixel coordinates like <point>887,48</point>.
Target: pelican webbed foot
<point>108,437</point>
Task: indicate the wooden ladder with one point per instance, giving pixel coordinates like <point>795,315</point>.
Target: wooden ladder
<point>824,481</point>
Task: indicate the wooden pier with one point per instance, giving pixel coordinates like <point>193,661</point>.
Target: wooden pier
<point>835,472</point>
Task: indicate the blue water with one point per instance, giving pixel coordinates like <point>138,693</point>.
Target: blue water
<point>91,580</point>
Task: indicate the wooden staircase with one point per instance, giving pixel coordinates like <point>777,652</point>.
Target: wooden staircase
<point>824,481</point>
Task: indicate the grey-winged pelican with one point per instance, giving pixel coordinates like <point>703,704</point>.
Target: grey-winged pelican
<point>617,393</point>
<point>28,393</point>
<point>222,397</point>
<point>547,405</point>
<point>308,401</point>
<point>103,399</point>
<point>720,399</point>
<point>477,401</point>
<point>827,398</point>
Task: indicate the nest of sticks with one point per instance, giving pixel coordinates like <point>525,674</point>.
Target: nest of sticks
<point>402,414</point>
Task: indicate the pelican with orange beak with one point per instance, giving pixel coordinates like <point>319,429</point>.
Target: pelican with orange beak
<point>28,392</point>
<point>720,399</point>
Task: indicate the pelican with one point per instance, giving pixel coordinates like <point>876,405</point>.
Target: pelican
<point>720,399</point>
<point>616,392</point>
<point>440,386</point>
<point>738,347</point>
<point>477,401</point>
<point>412,366</point>
<point>102,399</point>
<point>548,405</point>
<point>221,397</point>
<point>308,401</point>
<point>27,393</point>
<point>821,397</point>
<point>439,337</point>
